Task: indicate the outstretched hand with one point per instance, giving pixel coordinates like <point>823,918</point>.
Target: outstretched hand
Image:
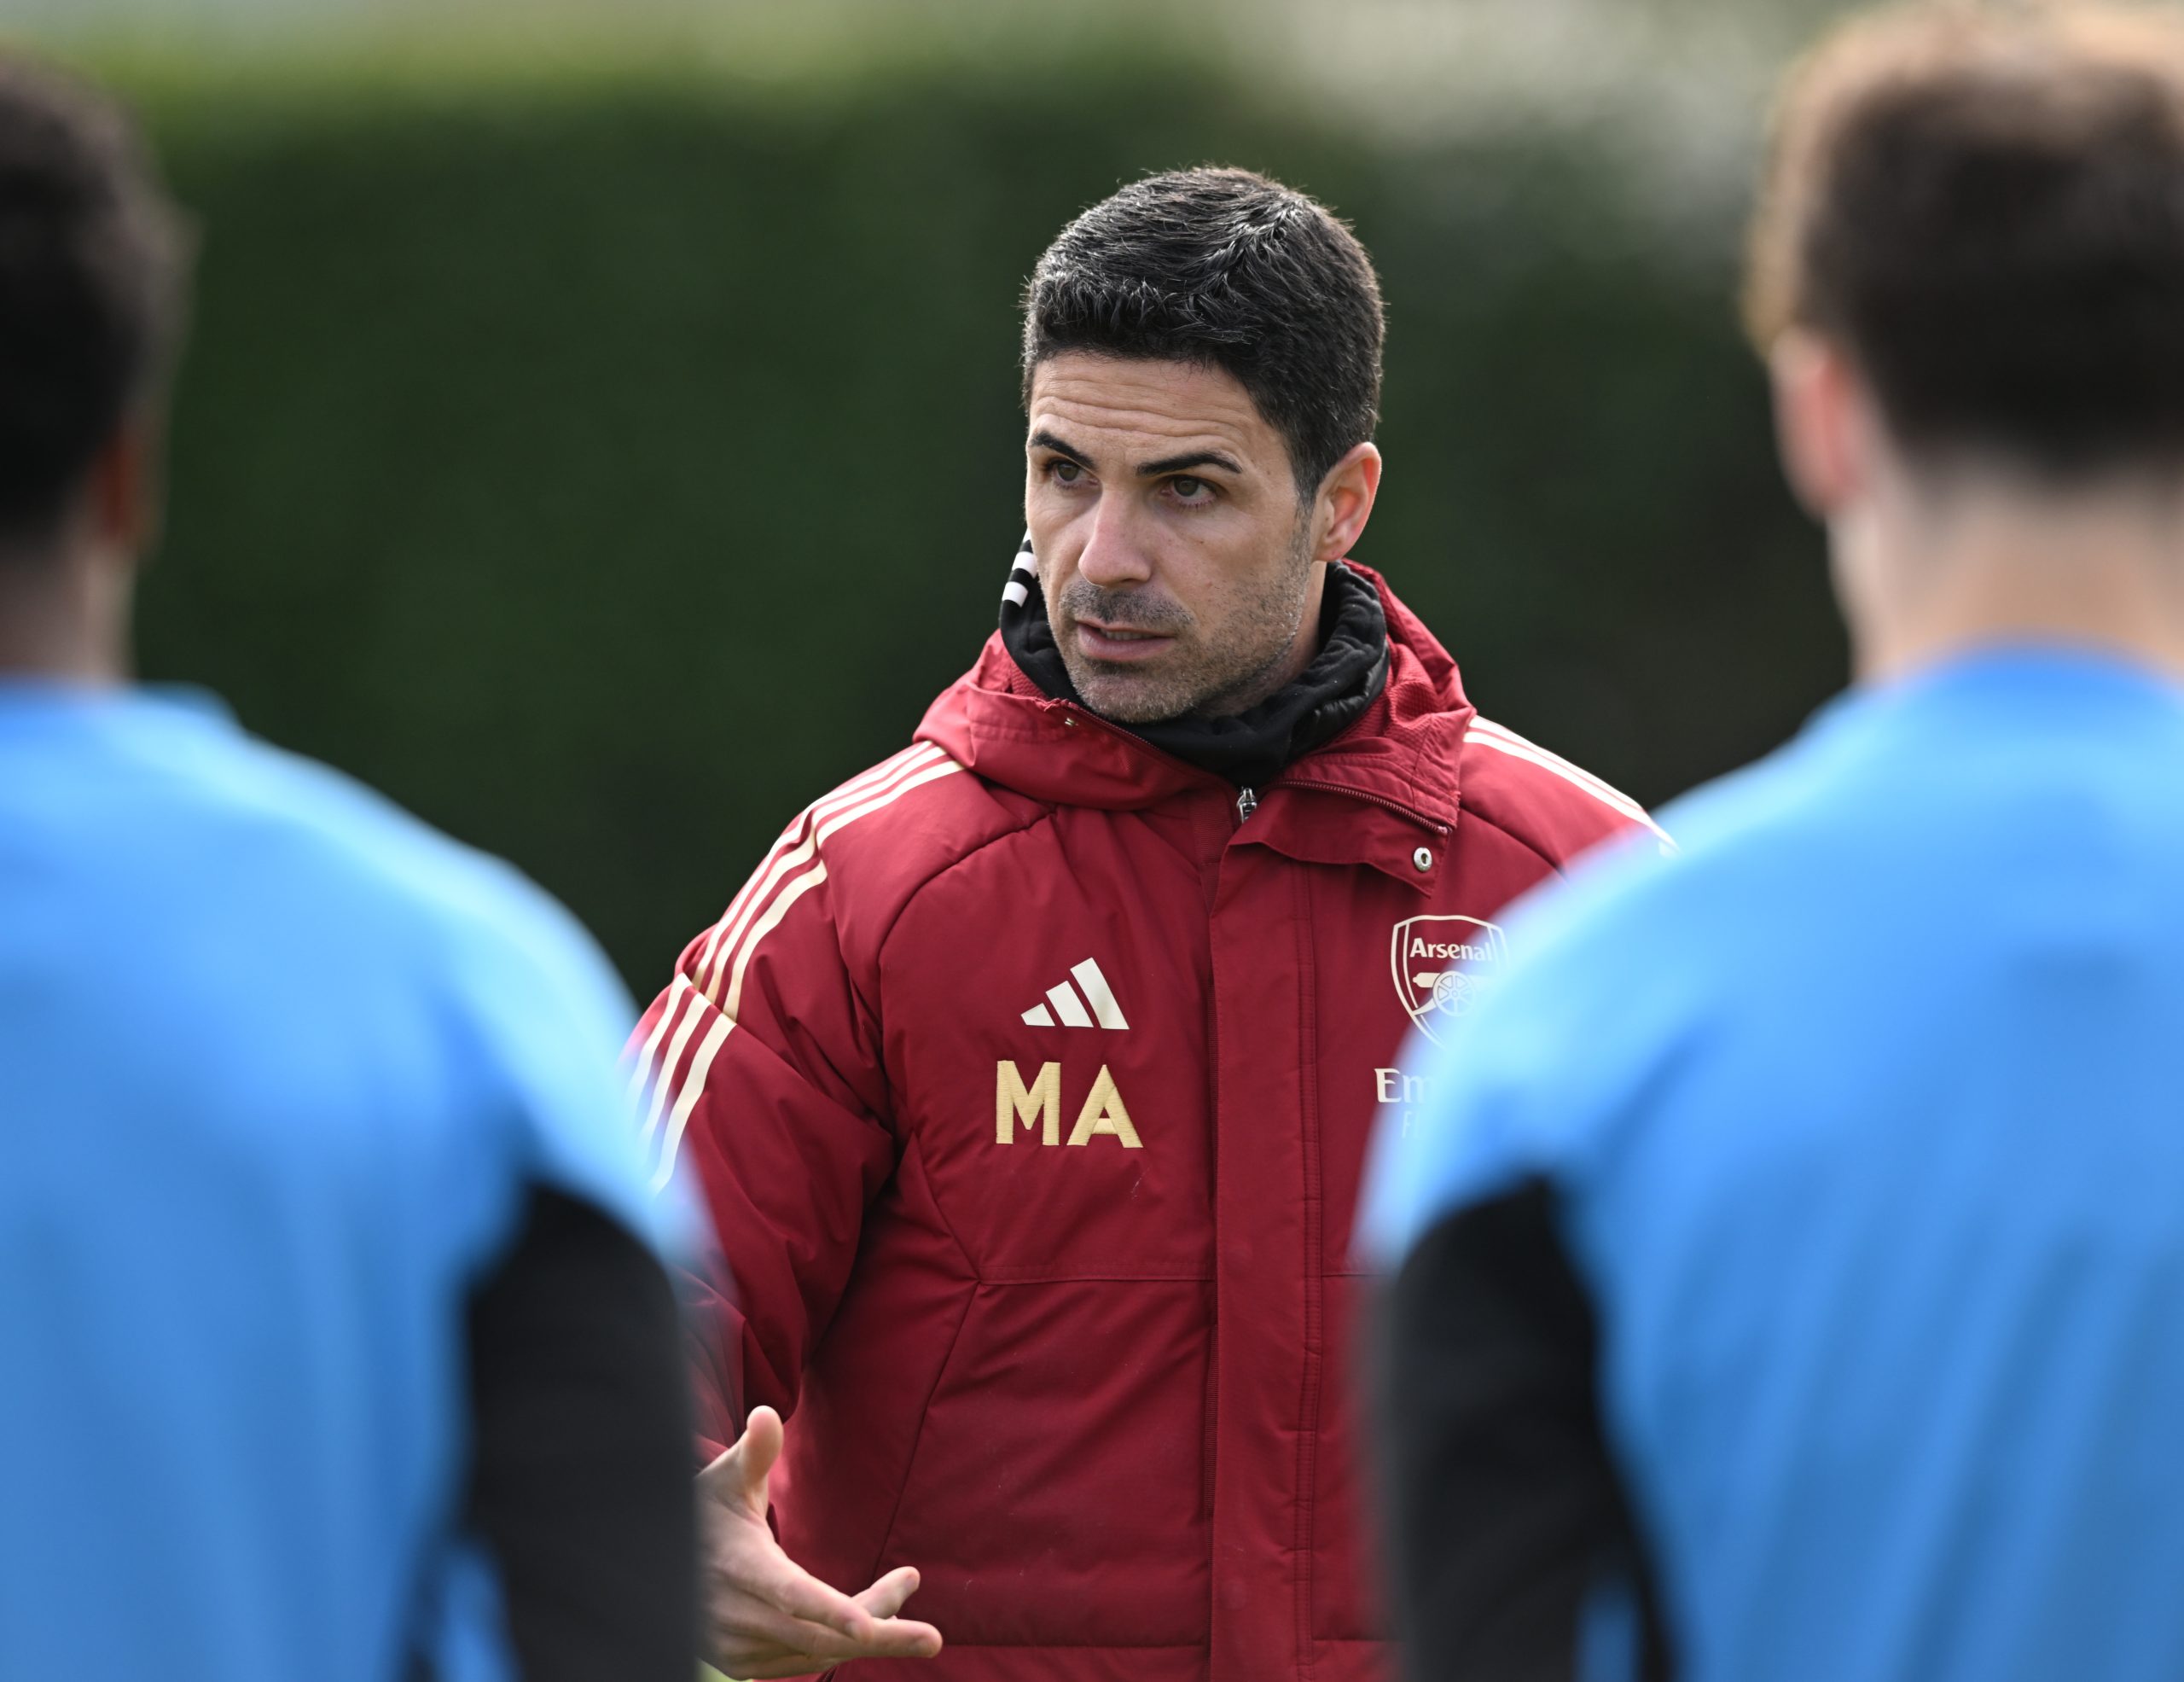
<point>765,1615</point>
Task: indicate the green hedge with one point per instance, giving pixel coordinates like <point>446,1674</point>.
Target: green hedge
<point>606,469</point>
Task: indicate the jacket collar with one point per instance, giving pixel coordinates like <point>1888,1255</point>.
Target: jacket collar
<point>1344,677</point>
<point>1393,773</point>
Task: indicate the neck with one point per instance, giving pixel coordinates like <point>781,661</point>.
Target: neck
<point>61,619</point>
<point>1931,575</point>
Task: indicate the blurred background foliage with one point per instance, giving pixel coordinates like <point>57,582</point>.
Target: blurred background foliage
<point>606,439</point>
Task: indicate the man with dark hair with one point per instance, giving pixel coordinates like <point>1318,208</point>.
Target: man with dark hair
<point>1029,1075</point>
<point>333,1340</point>
<point>1792,1258</point>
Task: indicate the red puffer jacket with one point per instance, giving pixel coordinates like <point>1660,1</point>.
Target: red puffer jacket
<point>1028,1085</point>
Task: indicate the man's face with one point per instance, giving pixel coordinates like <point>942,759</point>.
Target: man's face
<point>1176,562</point>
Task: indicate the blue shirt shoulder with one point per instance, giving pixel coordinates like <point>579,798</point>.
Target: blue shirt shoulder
<point>192,845</point>
<point>1942,815</point>
<point>279,1067</point>
<point>1859,1120</point>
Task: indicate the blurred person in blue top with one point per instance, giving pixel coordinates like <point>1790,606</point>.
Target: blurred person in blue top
<point>334,1344</point>
<point>1789,1259</point>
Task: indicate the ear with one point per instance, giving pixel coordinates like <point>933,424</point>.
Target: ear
<point>122,489</point>
<point>1825,423</point>
<point>1345,502</point>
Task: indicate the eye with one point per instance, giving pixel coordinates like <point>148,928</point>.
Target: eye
<point>1190,492</point>
<point>1063,471</point>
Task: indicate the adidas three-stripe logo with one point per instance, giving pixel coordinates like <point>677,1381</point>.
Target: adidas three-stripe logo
<point>1068,1008</point>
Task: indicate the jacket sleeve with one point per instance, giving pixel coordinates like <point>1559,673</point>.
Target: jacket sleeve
<point>1558,811</point>
<point>1515,1551</point>
<point>759,1069</point>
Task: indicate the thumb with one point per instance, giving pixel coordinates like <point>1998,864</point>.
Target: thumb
<point>740,1475</point>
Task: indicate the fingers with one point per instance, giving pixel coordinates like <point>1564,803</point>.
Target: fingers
<point>761,1441</point>
<point>770,1618</point>
<point>755,1654</point>
<point>746,1568</point>
<point>740,1473</point>
<point>767,1616</point>
<point>884,1597</point>
<point>885,1638</point>
<point>896,1639</point>
<point>765,1642</point>
<point>785,1587</point>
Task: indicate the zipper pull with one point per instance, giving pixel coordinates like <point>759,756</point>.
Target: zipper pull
<point>1247,802</point>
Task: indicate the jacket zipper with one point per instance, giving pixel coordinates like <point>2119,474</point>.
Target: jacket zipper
<point>1382,801</point>
<point>1247,802</point>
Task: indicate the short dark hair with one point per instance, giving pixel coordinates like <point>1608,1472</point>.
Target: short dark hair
<point>92,261</point>
<point>1985,210</point>
<point>1229,270</point>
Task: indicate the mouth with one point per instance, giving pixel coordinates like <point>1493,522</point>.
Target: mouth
<point>1117,643</point>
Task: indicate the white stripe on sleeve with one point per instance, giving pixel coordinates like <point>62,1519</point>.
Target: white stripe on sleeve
<point>693,1088</point>
<point>1506,742</point>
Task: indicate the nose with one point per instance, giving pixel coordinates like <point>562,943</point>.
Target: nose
<point>1114,558</point>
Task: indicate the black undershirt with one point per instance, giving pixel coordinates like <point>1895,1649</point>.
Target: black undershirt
<point>1508,1512</point>
<point>1252,747</point>
<point>580,1480</point>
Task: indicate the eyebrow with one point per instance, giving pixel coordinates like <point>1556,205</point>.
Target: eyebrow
<point>1197,458</point>
<point>1044,439</point>
<point>1184,463</point>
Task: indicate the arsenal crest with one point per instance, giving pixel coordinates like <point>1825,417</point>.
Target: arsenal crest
<point>1443,966</point>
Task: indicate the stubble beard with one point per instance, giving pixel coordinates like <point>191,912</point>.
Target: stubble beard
<point>1192,678</point>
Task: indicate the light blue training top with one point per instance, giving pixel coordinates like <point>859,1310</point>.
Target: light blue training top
<point>277,1066</point>
<point>1865,1114</point>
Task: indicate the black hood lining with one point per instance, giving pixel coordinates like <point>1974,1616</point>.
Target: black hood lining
<point>1249,748</point>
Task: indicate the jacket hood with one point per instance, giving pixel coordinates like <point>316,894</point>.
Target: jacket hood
<point>1403,752</point>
